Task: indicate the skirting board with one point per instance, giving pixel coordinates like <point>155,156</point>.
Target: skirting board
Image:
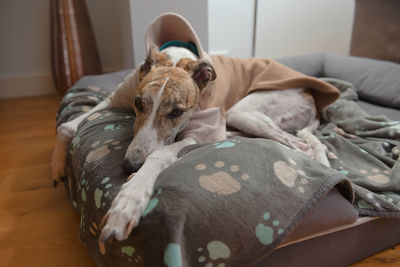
<point>26,86</point>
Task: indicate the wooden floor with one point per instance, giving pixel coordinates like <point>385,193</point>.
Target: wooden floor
<point>37,225</point>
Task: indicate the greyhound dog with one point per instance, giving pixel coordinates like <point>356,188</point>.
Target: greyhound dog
<point>167,93</point>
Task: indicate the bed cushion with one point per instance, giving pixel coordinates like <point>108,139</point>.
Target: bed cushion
<point>378,110</point>
<point>376,80</point>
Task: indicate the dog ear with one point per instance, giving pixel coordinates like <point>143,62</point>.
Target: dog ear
<point>148,63</point>
<point>202,72</point>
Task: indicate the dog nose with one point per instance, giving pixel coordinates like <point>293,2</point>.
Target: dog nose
<point>130,167</point>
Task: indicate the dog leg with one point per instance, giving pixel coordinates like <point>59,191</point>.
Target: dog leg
<point>122,97</point>
<point>65,133</point>
<point>134,195</point>
<point>318,149</point>
<point>258,124</point>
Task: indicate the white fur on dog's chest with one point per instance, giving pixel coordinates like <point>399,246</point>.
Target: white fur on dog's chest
<point>177,53</point>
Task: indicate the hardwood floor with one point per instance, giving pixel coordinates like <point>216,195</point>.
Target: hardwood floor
<point>37,225</point>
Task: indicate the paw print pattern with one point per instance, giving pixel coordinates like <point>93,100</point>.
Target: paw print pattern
<point>217,250</point>
<point>377,176</point>
<point>99,115</point>
<point>226,144</point>
<point>95,231</point>
<point>101,192</point>
<point>126,251</point>
<point>96,89</point>
<point>394,130</point>
<point>391,197</point>
<point>371,202</point>
<point>112,127</point>
<point>341,132</point>
<point>83,186</point>
<point>131,254</point>
<point>221,182</point>
<point>289,176</point>
<point>152,203</point>
<point>102,151</point>
<point>173,255</point>
<point>265,233</point>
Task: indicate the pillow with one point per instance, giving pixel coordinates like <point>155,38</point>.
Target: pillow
<point>377,81</point>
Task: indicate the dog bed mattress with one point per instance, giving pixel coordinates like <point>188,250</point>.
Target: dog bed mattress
<point>234,202</point>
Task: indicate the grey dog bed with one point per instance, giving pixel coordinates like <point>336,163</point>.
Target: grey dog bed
<point>237,202</point>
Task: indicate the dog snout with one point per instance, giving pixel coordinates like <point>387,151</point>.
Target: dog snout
<point>130,167</point>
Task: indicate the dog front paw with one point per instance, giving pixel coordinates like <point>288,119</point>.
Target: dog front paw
<point>65,133</point>
<point>125,212</point>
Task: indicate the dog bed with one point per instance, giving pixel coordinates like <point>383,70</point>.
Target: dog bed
<point>250,201</point>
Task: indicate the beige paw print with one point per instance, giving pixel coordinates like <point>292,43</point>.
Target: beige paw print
<point>95,231</point>
<point>377,176</point>
<point>290,175</point>
<point>218,252</point>
<point>340,131</point>
<point>221,182</point>
<point>103,150</point>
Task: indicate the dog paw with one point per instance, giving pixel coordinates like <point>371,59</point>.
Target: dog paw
<point>58,170</point>
<point>65,133</point>
<point>125,212</point>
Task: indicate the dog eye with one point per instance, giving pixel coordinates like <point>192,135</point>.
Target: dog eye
<point>175,113</point>
<point>138,103</point>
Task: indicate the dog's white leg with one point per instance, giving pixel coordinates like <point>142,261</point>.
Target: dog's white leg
<point>260,125</point>
<point>318,149</point>
<point>65,133</point>
<point>134,196</point>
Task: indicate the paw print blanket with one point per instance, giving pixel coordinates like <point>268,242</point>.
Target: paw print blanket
<point>227,203</point>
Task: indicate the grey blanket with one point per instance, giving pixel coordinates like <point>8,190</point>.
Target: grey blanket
<point>366,150</point>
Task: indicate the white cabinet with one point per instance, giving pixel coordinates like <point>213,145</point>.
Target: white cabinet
<point>293,27</point>
<point>283,27</point>
<point>230,27</point>
<point>223,26</point>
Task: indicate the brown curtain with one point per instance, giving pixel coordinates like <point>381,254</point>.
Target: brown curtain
<point>73,46</point>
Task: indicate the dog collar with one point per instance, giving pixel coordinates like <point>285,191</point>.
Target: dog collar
<point>188,45</point>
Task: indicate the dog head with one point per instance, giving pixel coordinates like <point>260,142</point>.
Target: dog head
<point>165,100</point>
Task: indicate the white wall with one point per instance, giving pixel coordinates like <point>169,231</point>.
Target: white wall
<point>25,48</point>
<point>144,12</point>
<point>293,27</point>
<point>25,59</point>
<point>230,27</point>
<point>111,23</point>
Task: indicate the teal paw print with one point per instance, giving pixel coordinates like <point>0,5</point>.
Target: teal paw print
<point>265,233</point>
<point>101,192</point>
<point>173,255</point>
<point>226,143</point>
<point>83,186</point>
<point>112,127</point>
<point>152,204</point>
